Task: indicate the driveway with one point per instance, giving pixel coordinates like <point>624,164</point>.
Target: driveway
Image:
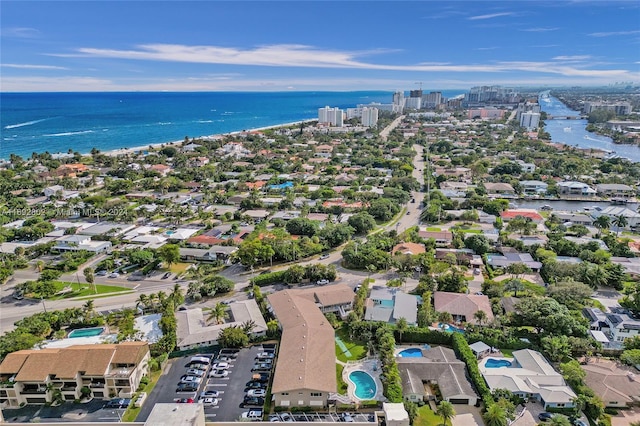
<point>608,297</point>
<point>530,415</point>
<point>626,417</point>
<point>467,415</point>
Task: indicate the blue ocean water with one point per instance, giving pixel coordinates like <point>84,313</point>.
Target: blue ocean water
<point>57,122</point>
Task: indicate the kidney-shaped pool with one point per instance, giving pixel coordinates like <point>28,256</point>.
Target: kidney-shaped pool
<point>364,383</point>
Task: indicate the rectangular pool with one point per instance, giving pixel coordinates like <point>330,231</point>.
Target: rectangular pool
<point>86,332</point>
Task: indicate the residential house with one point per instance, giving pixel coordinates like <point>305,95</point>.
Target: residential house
<point>390,304</point>
<point>442,238</point>
<point>575,189</point>
<point>193,329</point>
<point>617,385</point>
<point>80,242</point>
<point>499,189</point>
<point>305,374</point>
<point>109,370</point>
<point>408,248</point>
<point>212,254</point>
<point>530,376</point>
<point>534,187</point>
<point>437,366</point>
<point>503,261</point>
<point>532,214</point>
<point>462,306</point>
<point>526,167</point>
<point>621,325</point>
<point>573,218</point>
<point>614,190</point>
<point>632,217</point>
<point>337,298</point>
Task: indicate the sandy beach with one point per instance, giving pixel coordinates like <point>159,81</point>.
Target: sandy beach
<point>133,150</point>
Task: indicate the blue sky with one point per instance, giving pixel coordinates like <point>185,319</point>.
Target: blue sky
<point>315,45</point>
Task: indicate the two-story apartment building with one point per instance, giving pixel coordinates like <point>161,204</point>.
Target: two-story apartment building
<point>39,376</point>
<point>616,190</point>
<point>532,187</point>
<point>573,188</point>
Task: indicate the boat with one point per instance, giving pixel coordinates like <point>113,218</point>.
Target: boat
<point>567,129</point>
<point>546,207</point>
<point>619,200</point>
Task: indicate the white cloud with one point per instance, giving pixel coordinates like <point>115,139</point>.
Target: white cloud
<point>33,67</point>
<point>490,16</point>
<point>572,58</point>
<point>294,55</point>
<point>540,30</point>
<point>20,32</point>
<point>614,33</point>
<point>488,48</point>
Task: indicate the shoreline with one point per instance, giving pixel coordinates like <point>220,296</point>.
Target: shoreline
<point>155,146</point>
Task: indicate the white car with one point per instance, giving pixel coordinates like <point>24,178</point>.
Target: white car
<point>114,275</point>
<point>221,366</point>
<point>209,394</point>
<point>210,401</point>
<point>265,355</point>
<point>190,379</point>
<point>219,373</point>
<point>261,393</point>
<point>323,282</point>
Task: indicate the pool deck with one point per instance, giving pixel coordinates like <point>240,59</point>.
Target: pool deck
<point>370,366</point>
<point>483,368</point>
<point>402,348</point>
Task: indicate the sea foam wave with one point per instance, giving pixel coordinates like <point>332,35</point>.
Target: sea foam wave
<point>82,132</point>
<point>26,123</point>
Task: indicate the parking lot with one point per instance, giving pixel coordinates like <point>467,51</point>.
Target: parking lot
<point>231,388</point>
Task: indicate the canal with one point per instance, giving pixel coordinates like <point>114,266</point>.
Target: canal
<point>574,133</point>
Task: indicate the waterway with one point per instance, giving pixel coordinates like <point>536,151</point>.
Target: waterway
<point>574,133</point>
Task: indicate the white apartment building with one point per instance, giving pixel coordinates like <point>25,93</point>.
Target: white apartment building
<point>530,120</point>
<point>398,99</point>
<point>413,103</point>
<point>333,116</point>
<point>431,100</point>
<point>369,117</point>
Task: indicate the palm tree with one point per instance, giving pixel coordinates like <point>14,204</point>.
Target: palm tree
<point>495,416</point>
<point>39,266</point>
<point>446,411</point>
<point>142,302</point>
<point>514,285</point>
<point>248,326</point>
<point>401,327</point>
<point>602,222</point>
<point>218,313</point>
<point>619,222</point>
<point>445,317</point>
<point>88,308</point>
<point>480,316</point>
<point>559,420</point>
<point>177,296</point>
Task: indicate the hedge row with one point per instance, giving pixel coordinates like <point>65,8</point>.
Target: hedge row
<point>268,278</point>
<point>463,351</point>
<point>425,335</point>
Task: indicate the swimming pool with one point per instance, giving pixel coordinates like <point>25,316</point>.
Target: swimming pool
<point>364,383</point>
<point>497,363</point>
<point>451,328</point>
<point>86,332</point>
<point>411,353</point>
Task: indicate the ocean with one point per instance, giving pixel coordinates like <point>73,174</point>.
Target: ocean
<point>57,122</point>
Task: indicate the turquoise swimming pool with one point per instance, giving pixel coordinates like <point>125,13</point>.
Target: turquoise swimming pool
<point>364,383</point>
<point>86,332</point>
<point>411,353</point>
<point>497,363</point>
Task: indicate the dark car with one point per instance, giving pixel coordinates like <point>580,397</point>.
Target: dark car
<point>253,401</point>
<point>545,417</point>
<point>261,366</point>
<point>255,385</point>
<point>166,275</point>
<point>187,387</point>
<point>118,403</point>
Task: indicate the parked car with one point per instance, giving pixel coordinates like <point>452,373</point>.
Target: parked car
<point>118,403</point>
<point>210,401</point>
<point>261,393</point>
<point>260,377</point>
<point>197,366</point>
<point>266,355</point>
<point>190,379</point>
<point>114,275</point>
<point>286,417</point>
<point>545,417</point>
<point>255,385</point>
<point>101,273</point>
<point>219,373</point>
<point>184,400</point>
<point>261,366</point>
<point>166,275</point>
<point>322,282</point>
<point>195,372</point>
<point>324,256</point>
<point>253,415</point>
<point>187,387</point>
<point>253,401</point>
<point>347,417</point>
<point>209,394</point>
<point>220,366</point>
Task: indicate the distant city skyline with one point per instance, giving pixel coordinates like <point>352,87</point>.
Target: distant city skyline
<point>316,45</point>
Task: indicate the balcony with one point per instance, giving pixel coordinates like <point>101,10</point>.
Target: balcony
<point>96,385</point>
<point>34,391</point>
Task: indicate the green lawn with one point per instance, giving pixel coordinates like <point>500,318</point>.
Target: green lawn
<point>433,229</point>
<point>342,386</point>
<point>357,349</point>
<point>132,412</point>
<point>508,353</point>
<point>426,417</point>
<point>471,231</point>
<point>178,268</point>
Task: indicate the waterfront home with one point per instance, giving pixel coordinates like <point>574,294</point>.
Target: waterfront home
<point>569,219</point>
<point>462,306</point>
<point>530,376</point>
<point>617,385</point>
<point>305,373</point>
<point>438,366</point>
<point>193,329</point>
<point>109,370</point>
<point>615,190</point>
<point>534,187</point>
<point>632,217</point>
<point>526,167</point>
<point>390,304</point>
<point>573,188</point>
<point>532,214</point>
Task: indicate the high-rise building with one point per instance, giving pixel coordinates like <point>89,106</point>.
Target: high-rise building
<point>369,117</point>
<point>398,99</point>
<point>530,120</point>
<point>415,93</point>
<point>333,116</point>
<point>431,100</point>
<point>413,103</point>
<point>620,108</point>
